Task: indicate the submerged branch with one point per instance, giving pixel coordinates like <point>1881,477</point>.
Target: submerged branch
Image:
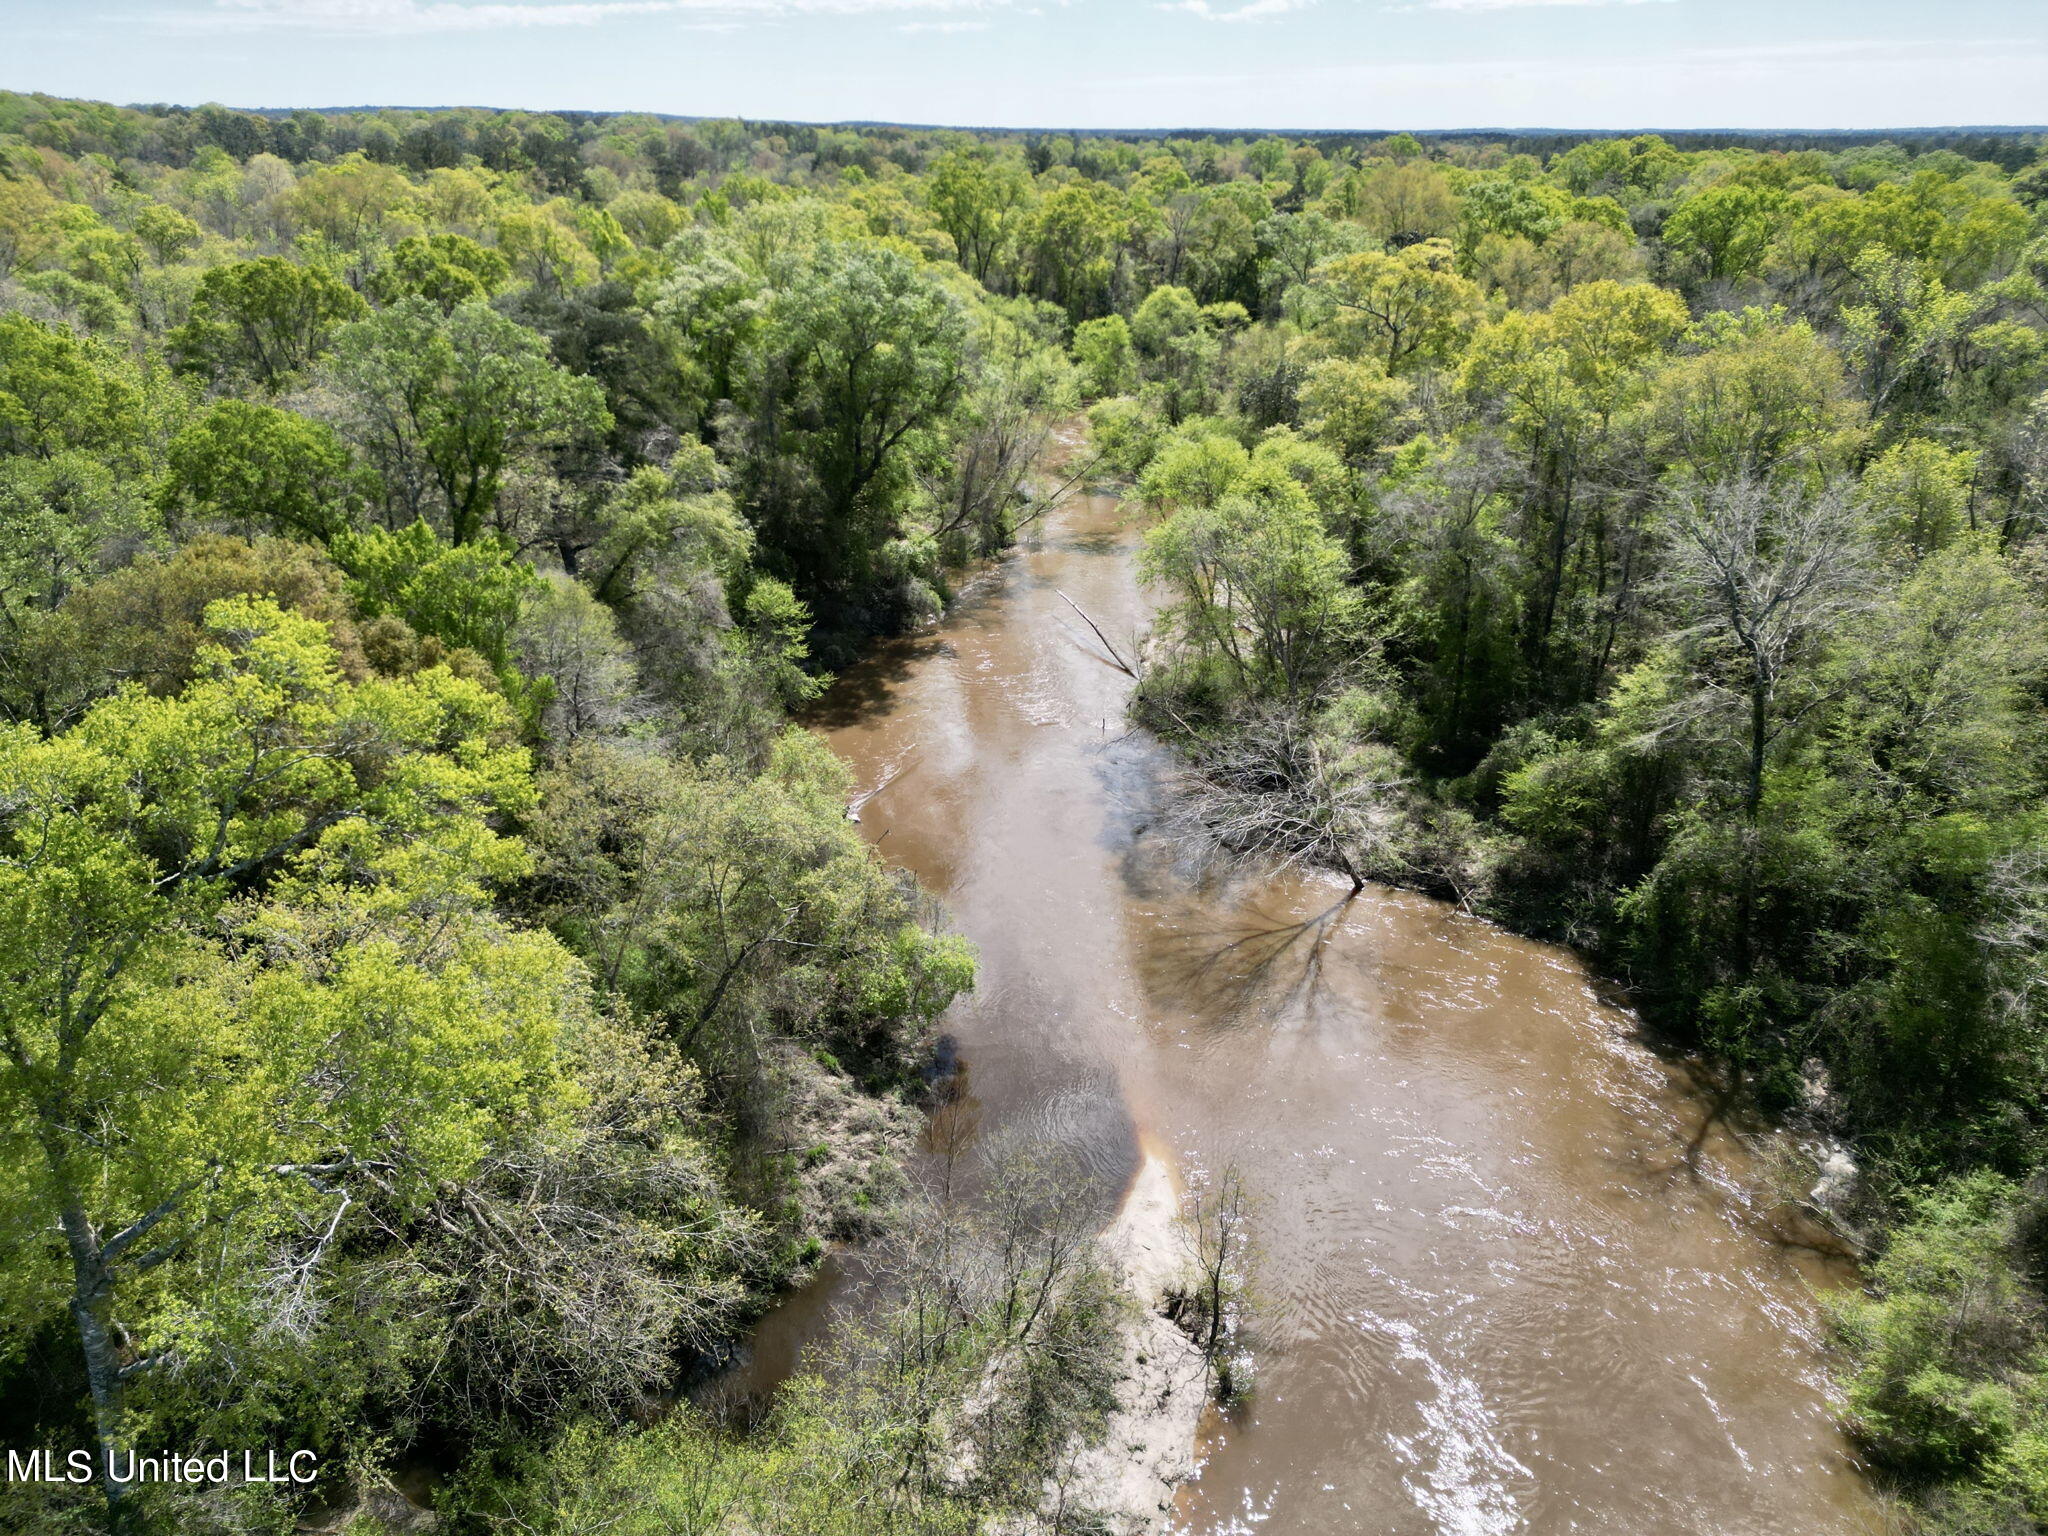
<point>1115,655</point>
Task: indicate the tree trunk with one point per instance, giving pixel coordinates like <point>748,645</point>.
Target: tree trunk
<point>1759,743</point>
<point>91,1291</point>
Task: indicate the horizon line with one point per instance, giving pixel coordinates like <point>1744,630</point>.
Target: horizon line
<point>1158,129</point>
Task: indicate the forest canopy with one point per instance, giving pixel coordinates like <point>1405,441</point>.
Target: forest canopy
<point>444,994</point>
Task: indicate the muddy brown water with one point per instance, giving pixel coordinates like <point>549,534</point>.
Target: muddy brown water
<point>1515,1276</point>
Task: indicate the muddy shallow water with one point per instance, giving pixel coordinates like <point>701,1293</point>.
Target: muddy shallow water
<point>1514,1273</point>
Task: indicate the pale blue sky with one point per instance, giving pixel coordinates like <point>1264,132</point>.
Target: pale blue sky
<point>1082,63</point>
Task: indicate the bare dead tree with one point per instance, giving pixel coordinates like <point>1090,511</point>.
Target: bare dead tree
<point>1216,1230</point>
<point>1273,790</point>
<point>2014,935</point>
<point>1767,573</point>
<point>1036,1218</point>
<point>1009,420</point>
<point>1767,570</point>
<point>990,1336</point>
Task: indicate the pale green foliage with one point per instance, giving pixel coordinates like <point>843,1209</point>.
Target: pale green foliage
<point>1073,237</point>
<point>977,198</point>
<point>1918,493</point>
<point>1502,551</point>
<point>1937,678</point>
<point>1727,228</point>
<point>1567,372</point>
<point>713,301</point>
<point>1351,405</point>
<point>1102,349</point>
<point>57,393</point>
<point>1284,456</point>
<point>250,963</point>
<point>1198,465</point>
<point>1258,587</point>
<point>1759,392</point>
<point>569,642</point>
<point>64,519</point>
<point>465,595</point>
<point>773,638</point>
<point>445,269</point>
<point>1903,327</point>
<point>1125,434</point>
<point>167,233</point>
<point>660,520</point>
<point>1406,309</point>
<point>350,203</point>
<point>738,909</point>
<point>648,219</point>
<point>544,247</point>
<point>1177,345</point>
<point>1022,385</point>
<point>1947,1379</point>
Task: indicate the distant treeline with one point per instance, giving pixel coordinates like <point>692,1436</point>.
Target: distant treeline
<point>422,138</point>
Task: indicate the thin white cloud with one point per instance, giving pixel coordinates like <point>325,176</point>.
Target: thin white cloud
<point>386,16</point>
<point>1254,10</point>
<point>404,17</point>
<point>944,26</point>
<point>1514,5</point>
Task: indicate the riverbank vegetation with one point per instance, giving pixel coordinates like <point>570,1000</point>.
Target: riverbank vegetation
<point>443,996</point>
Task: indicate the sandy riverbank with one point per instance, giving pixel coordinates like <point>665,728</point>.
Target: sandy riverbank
<point>1148,1449</point>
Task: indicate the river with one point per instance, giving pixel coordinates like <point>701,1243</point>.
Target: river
<point>1515,1275</point>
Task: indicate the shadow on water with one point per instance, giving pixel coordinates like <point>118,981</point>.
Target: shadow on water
<point>1266,968</point>
<point>869,688</point>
